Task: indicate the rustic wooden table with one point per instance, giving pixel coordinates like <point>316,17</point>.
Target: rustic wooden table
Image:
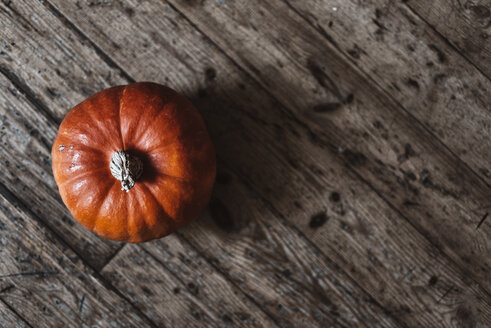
<point>353,147</point>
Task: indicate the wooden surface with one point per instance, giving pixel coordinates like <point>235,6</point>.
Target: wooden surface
<point>353,148</point>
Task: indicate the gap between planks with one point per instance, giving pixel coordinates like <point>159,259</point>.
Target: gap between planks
<point>232,283</point>
<point>341,54</point>
<point>11,198</point>
<point>39,104</point>
<point>447,41</point>
<point>36,102</point>
<point>19,317</point>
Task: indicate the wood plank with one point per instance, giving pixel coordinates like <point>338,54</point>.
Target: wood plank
<point>369,311</point>
<point>9,319</point>
<point>45,281</point>
<point>410,278</point>
<point>275,266</point>
<point>182,290</point>
<point>53,61</point>
<point>465,24</point>
<point>383,144</point>
<point>296,177</point>
<point>400,146</point>
<point>25,151</point>
<point>407,58</point>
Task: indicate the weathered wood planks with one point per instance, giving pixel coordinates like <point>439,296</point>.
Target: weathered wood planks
<point>284,173</point>
<point>46,283</point>
<point>37,60</point>
<point>385,144</point>
<point>26,137</point>
<point>181,291</point>
<point>368,311</point>
<point>465,24</point>
<point>10,319</point>
<point>258,150</point>
<point>418,68</point>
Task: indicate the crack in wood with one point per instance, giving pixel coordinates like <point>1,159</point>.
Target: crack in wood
<point>482,220</point>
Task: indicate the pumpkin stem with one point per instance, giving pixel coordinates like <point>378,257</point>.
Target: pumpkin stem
<point>126,168</point>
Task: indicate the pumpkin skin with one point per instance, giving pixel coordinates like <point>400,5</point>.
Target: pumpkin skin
<point>150,122</point>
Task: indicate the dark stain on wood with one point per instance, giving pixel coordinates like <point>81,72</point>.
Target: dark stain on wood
<point>227,319</point>
<point>322,78</point>
<point>335,197</point>
<point>326,107</point>
<point>193,288</point>
<point>480,11</point>
<point>354,158</point>
<point>128,10</point>
<point>355,52</point>
<point>318,220</point>
<point>221,215</point>
<point>176,290</point>
<point>412,83</point>
<point>441,56</point>
<point>428,183</point>
<point>433,280</point>
<point>147,291</point>
<point>210,74</point>
<point>408,152</point>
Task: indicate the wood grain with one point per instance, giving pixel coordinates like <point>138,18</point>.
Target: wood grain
<point>381,141</point>
<point>25,150</point>
<point>248,249</point>
<point>179,289</point>
<point>367,310</point>
<point>249,145</point>
<point>399,158</point>
<point>301,290</point>
<point>9,319</point>
<point>465,24</point>
<point>419,69</point>
<point>65,70</point>
<point>44,281</point>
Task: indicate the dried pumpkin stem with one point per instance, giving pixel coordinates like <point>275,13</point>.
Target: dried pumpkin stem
<point>126,168</point>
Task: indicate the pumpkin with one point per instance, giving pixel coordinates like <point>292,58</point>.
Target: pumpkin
<point>134,163</point>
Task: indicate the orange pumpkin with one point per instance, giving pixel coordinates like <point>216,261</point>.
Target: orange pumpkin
<point>134,163</point>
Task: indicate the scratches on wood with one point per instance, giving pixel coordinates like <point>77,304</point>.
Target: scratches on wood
<point>431,67</point>
<point>31,171</point>
<point>350,129</point>
<point>7,289</point>
<point>81,306</point>
<point>9,318</point>
<point>178,286</point>
<point>40,278</point>
<point>470,27</point>
<point>445,294</point>
<point>482,220</point>
<point>29,126</point>
<point>331,226</point>
<point>41,274</point>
